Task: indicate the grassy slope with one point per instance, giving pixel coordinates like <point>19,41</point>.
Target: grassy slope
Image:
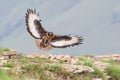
<point>45,69</point>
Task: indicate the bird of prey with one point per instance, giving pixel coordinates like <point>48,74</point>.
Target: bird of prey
<point>46,40</point>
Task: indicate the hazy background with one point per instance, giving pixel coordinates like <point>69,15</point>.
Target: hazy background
<point>98,21</point>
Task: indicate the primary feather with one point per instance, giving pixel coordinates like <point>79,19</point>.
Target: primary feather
<point>66,41</point>
<point>33,24</point>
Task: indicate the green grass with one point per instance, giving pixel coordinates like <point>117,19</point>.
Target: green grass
<point>3,50</point>
<point>24,60</point>
<point>88,63</point>
<point>4,75</point>
<point>61,61</point>
<point>114,71</point>
<point>97,71</point>
<point>111,61</point>
<point>78,63</point>
<point>46,69</point>
<point>9,64</point>
<point>36,71</point>
<point>63,74</point>
<point>82,58</point>
<point>81,61</point>
<point>54,68</point>
<point>89,55</point>
<point>40,72</point>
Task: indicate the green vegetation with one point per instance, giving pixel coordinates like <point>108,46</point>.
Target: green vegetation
<point>9,64</point>
<point>82,58</point>
<point>35,71</point>
<point>88,63</point>
<point>97,71</point>
<point>61,61</point>
<point>89,55</point>
<point>114,71</point>
<point>24,60</point>
<point>4,75</point>
<point>3,50</point>
<point>78,63</point>
<point>46,69</point>
<point>43,71</point>
<point>54,68</point>
<point>111,61</point>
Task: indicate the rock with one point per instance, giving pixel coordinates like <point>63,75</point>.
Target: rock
<point>116,58</point>
<point>5,68</point>
<point>96,79</point>
<point>101,65</point>
<point>111,56</point>
<point>78,68</point>
<point>54,57</point>
<point>3,62</point>
<point>60,57</point>
<point>33,55</point>
<point>108,77</point>
<point>103,56</point>
<point>46,55</point>
<point>74,60</point>
<point>28,78</point>
<point>66,58</point>
<point>9,54</point>
<point>1,57</point>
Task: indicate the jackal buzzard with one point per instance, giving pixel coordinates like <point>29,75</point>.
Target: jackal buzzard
<point>46,40</point>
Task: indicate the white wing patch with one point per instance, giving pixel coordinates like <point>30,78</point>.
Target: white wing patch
<point>32,28</point>
<point>61,43</point>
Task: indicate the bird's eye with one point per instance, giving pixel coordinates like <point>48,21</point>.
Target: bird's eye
<point>50,34</point>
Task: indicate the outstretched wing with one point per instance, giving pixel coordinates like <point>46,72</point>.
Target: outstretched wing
<point>65,41</point>
<point>33,24</point>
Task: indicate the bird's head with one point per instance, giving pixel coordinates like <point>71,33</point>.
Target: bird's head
<point>50,33</point>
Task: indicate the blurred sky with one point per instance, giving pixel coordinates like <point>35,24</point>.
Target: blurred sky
<point>98,21</point>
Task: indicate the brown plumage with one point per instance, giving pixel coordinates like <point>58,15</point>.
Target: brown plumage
<point>42,46</point>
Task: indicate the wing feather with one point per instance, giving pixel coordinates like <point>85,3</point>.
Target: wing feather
<point>66,41</point>
<point>33,24</point>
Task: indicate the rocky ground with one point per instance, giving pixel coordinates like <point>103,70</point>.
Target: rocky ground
<point>46,66</point>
